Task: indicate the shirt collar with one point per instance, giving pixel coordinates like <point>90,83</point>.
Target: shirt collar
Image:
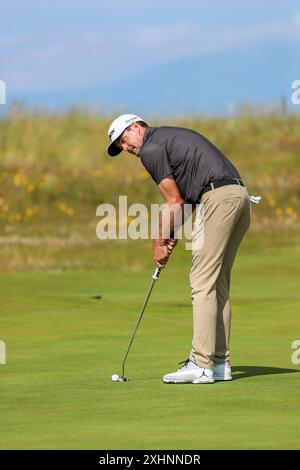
<point>148,132</point>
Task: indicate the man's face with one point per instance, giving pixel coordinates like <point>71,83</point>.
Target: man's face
<point>132,139</point>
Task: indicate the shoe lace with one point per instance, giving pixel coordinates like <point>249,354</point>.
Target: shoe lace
<point>185,363</point>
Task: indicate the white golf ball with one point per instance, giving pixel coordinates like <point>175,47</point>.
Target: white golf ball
<point>115,378</point>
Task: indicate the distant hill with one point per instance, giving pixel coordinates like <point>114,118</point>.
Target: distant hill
<point>211,83</point>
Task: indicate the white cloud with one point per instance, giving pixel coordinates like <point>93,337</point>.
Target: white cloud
<point>11,41</point>
<point>190,39</point>
<point>296,18</point>
<point>91,59</point>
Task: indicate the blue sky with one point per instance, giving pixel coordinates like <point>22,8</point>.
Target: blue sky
<point>53,53</point>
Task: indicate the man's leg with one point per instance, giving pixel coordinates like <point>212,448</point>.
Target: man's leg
<point>222,352</point>
<point>222,210</point>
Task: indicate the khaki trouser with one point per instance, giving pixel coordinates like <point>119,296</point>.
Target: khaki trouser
<point>226,220</point>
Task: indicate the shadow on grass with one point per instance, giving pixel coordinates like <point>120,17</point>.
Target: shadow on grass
<point>241,372</point>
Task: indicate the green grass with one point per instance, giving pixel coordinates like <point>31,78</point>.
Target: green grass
<point>63,346</point>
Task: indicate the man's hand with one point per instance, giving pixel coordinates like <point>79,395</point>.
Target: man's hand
<point>162,250</point>
<point>160,253</point>
<point>173,210</point>
<point>171,244</point>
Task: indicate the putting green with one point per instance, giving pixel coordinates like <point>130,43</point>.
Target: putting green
<point>63,346</point>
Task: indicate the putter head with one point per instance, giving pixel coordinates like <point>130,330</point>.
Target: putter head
<point>123,379</point>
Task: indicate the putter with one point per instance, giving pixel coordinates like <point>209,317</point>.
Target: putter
<point>154,278</point>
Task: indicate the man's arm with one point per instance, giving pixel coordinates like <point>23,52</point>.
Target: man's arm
<point>170,218</point>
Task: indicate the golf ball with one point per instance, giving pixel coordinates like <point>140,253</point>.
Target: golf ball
<point>115,378</point>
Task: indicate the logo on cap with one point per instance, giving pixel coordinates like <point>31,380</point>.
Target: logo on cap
<point>131,119</point>
<point>111,133</point>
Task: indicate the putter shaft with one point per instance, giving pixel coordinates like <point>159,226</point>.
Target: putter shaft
<point>154,278</point>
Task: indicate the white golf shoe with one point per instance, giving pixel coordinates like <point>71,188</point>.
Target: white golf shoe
<point>189,373</point>
<point>222,372</point>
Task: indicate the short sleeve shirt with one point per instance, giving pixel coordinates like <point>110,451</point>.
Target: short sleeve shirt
<point>192,160</point>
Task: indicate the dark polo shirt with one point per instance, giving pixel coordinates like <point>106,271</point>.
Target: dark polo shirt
<point>192,160</point>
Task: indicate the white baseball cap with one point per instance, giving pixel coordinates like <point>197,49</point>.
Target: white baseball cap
<point>116,128</point>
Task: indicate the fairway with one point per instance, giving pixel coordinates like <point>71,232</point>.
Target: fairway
<point>198,103</point>
<point>63,346</point>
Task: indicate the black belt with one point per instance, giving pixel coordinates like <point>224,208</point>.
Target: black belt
<point>218,184</point>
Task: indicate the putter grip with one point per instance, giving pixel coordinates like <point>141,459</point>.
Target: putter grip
<point>156,274</point>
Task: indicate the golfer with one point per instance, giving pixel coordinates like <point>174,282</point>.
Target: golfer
<point>188,168</point>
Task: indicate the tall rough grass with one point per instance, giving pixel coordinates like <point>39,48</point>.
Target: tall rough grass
<point>54,167</point>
